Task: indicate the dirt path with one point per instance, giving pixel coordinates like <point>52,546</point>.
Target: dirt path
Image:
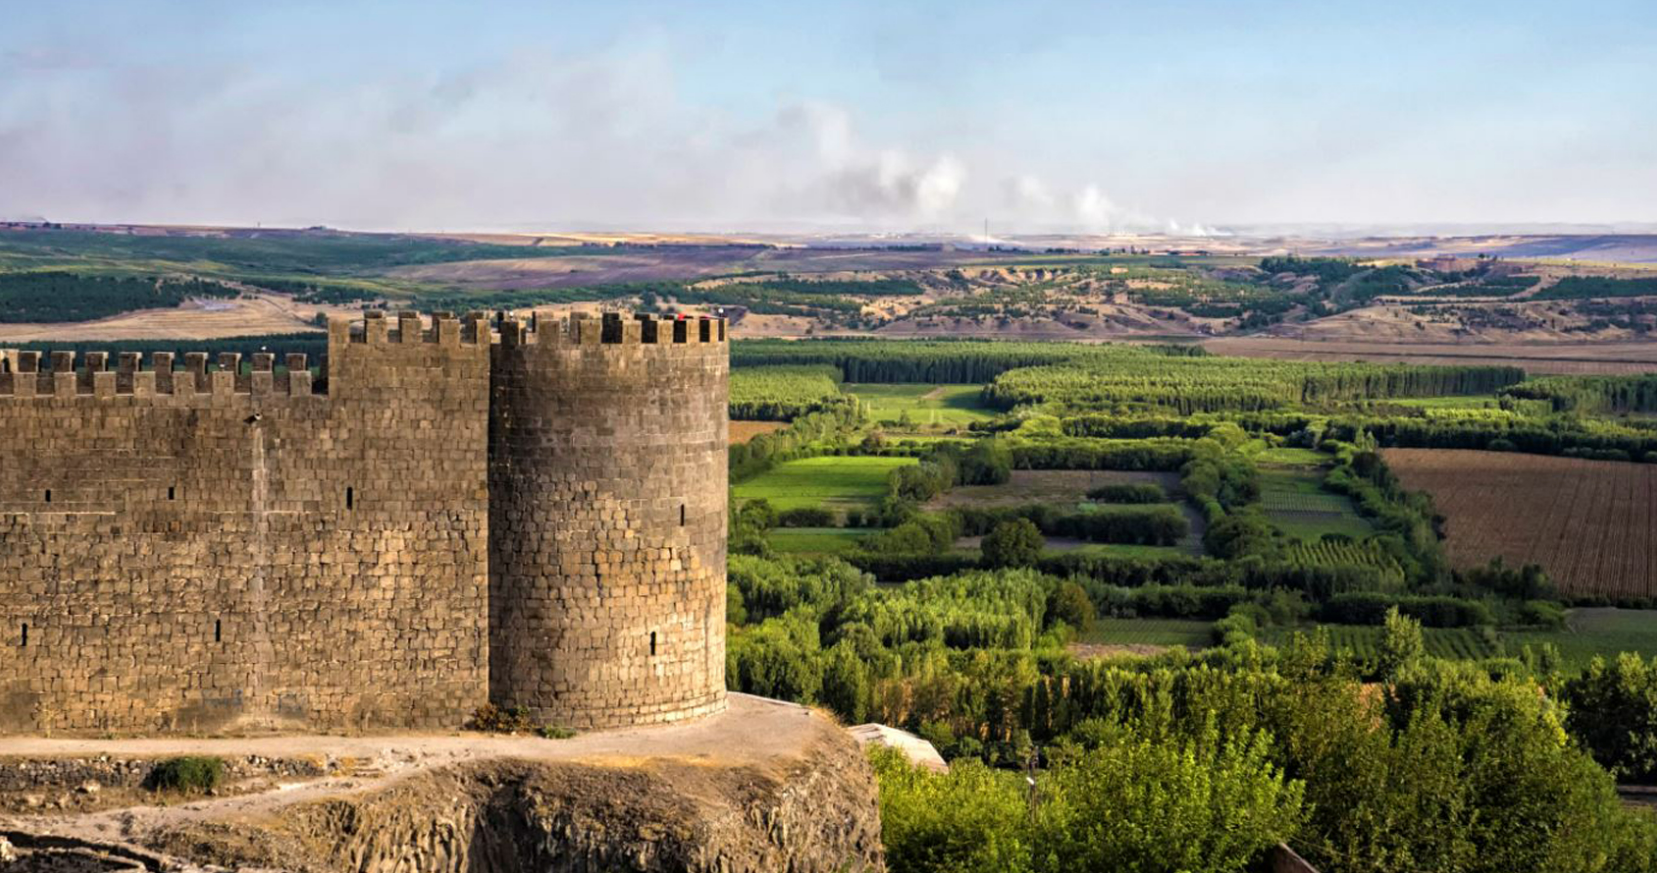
<point>753,731</point>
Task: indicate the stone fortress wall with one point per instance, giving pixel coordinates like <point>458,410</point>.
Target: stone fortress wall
<point>203,549</point>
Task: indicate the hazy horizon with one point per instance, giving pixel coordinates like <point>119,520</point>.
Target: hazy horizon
<point>1184,118</point>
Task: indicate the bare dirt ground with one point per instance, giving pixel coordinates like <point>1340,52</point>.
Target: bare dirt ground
<point>198,319</point>
<point>743,431</point>
<point>752,732</point>
<point>1611,358</point>
<point>1111,650</point>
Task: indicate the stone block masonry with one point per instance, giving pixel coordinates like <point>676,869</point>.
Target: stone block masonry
<point>450,516</point>
<point>607,453</point>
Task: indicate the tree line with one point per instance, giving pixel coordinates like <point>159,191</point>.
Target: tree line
<point>59,296</point>
<point>783,393</point>
<point>1453,766</point>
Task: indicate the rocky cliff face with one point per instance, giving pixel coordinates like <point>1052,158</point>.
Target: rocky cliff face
<point>766,788</point>
<point>571,819</point>
<point>508,815</point>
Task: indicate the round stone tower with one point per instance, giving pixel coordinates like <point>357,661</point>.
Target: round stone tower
<point>607,491</point>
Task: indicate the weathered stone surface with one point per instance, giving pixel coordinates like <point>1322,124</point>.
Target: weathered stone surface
<point>204,549</point>
<point>607,552</point>
<point>762,786</point>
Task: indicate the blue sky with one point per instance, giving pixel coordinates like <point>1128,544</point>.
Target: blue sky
<point>724,115</point>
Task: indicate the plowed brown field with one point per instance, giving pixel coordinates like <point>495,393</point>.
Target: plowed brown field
<point>1591,524</point>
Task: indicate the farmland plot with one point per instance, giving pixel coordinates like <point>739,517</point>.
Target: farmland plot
<point>1059,487</point>
<point>1295,501</point>
<point>832,482</point>
<point>1591,524</point>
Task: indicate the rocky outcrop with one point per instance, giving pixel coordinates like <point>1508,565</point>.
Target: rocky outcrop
<point>764,787</point>
<point>506,815</point>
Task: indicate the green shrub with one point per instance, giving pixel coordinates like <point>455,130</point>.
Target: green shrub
<point>1015,543</point>
<point>1130,804</point>
<point>1070,604</point>
<point>1130,493</point>
<point>1614,714</point>
<point>1542,612</point>
<point>492,719</point>
<point>1370,607</point>
<point>807,516</point>
<point>1236,628</point>
<point>1401,644</point>
<point>186,773</point>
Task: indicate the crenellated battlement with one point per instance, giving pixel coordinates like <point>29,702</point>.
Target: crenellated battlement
<point>613,329</point>
<point>476,328</point>
<point>410,328</point>
<point>32,374</point>
<point>455,510</point>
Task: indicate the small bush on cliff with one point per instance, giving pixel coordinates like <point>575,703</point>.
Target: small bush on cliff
<point>187,773</point>
<point>492,719</point>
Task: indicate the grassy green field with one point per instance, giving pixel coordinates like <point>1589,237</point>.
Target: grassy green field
<point>927,405</point>
<point>833,482</point>
<point>816,540</point>
<point>1286,456</point>
<point>1460,401</point>
<point>1130,550</point>
<point>1295,501</point>
<point>1063,546</point>
<point>1149,632</point>
<point>1590,632</point>
<point>1365,640</point>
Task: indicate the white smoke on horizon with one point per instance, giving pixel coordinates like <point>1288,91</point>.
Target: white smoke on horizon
<point>604,139</point>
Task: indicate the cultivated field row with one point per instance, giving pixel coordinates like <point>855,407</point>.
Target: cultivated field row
<point>1591,524</point>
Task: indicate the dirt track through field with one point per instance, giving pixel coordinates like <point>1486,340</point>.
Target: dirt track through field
<point>1591,524</point>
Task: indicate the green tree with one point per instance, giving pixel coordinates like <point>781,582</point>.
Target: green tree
<point>1071,605</point>
<point>1401,643</point>
<point>846,683</point>
<point>1614,714</point>
<point>1130,804</point>
<point>1014,543</point>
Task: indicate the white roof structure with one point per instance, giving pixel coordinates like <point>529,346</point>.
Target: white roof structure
<point>917,750</point>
